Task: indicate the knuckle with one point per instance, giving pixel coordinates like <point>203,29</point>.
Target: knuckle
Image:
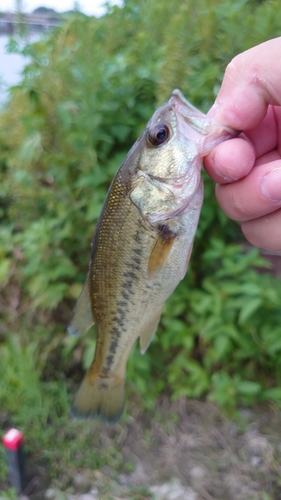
<point>260,234</point>
<point>239,204</point>
<point>233,202</point>
<point>234,68</point>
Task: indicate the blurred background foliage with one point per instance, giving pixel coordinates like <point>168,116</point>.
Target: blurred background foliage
<point>86,93</point>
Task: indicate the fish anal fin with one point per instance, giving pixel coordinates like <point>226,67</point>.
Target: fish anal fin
<point>148,332</point>
<point>161,250</point>
<point>100,397</point>
<point>82,317</point>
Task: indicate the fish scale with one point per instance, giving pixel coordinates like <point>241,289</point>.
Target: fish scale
<point>141,247</point>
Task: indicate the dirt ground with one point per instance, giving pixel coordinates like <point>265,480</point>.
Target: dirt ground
<point>189,451</point>
<point>218,458</point>
<point>186,450</point>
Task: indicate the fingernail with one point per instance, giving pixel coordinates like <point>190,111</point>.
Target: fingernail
<point>271,185</point>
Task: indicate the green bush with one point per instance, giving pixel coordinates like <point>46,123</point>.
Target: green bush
<point>86,93</point>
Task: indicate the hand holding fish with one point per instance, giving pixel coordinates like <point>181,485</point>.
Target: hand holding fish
<point>248,168</point>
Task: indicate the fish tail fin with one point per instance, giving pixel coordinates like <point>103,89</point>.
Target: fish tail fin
<point>102,397</point>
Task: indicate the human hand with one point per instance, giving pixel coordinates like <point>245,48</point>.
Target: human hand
<point>248,168</point>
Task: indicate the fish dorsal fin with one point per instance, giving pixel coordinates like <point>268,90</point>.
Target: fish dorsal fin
<point>82,317</point>
<point>161,250</point>
<point>147,334</point>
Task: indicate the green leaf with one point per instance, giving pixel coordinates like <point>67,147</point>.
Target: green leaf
<point>222,346</point>
<point>4,270</point>
<point>274,394</point>
<point>248,388</point>
<point>248,309</point>
<point>31,147</point>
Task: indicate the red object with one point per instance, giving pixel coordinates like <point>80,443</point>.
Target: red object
<point>13,439</point>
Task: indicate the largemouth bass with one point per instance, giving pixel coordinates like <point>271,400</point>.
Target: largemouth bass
<point>141,247</point>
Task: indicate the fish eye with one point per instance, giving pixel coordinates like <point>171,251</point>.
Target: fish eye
<point>158,134</point>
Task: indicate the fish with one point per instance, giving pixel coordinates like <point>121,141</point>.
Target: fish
<point>141,247</point>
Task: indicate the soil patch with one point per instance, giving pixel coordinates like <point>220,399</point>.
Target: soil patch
<point>188,451</point>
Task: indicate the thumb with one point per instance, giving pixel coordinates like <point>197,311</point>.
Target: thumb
<point>251,82</point>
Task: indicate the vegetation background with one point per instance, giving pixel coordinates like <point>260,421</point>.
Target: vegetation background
<point>86,93</point>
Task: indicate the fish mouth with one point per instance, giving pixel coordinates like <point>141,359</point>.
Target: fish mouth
<point>199,121</point>
<point>191,115</point>
<point>178,97</point>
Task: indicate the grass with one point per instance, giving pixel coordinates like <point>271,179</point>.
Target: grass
<point>38,376</point>
<point>10,494</point>
<point>40,409</point>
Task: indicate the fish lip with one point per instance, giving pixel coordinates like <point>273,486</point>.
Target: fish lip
<point>178,96</point>
<point>177,101</point>
<point>182,106</point>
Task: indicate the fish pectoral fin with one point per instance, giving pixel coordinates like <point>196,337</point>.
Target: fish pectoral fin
<point>82,317</point>
<point>100,397</point>
<point>161,250</point>
<point>147,334</point>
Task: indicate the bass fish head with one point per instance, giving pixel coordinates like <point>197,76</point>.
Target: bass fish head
<point>178,135</point>
<point>168,142</point>
<point>165,163</point>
